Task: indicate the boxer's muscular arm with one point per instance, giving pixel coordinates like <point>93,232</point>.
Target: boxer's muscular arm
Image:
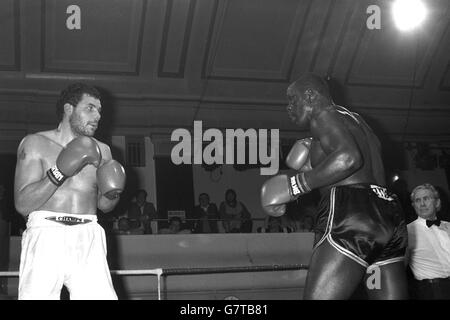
<point>32,187</point>
<point>343,156</point>
<point>103,203</point>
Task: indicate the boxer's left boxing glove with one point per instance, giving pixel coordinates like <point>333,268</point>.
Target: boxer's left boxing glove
<point>282,189</point>
<point>298,157</point>
<point>78,153</point>
<point>111,179</point>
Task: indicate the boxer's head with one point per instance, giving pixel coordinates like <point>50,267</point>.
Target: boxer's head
<point>80,105</point>
<point>425,200</point>
<point>306,95</point>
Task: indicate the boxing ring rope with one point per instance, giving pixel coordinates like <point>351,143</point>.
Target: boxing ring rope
<point>160,272</point>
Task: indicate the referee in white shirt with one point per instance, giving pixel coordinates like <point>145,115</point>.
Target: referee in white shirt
<point>429,246</point>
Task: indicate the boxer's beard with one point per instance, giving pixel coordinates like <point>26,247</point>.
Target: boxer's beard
<point>77,126</point>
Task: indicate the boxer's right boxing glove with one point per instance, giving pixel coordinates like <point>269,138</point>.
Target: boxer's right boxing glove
<point>282,189</point>
<point>298,157</point>
<point>78,153</point>
<point>111,179</point>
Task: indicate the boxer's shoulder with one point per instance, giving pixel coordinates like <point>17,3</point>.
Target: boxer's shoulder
<point>326,121</point>
<point>33,141</point>
<point>39,144</point>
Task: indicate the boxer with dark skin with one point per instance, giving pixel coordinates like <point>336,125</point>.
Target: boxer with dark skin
<point>62,177</point>
<point>360,223</point>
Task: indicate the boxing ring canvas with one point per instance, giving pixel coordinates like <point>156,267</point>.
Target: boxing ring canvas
<point>204,266</point>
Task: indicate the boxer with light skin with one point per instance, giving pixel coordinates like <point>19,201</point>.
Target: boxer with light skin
<point>62,177</point>
<point>360,223</point>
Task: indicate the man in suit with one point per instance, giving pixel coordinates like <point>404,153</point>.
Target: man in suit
<point>207,215</point>
<point>141,212</point>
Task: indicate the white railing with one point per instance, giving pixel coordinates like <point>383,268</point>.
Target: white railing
<point>160,272</point>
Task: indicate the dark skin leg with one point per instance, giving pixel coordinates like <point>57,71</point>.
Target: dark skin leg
<point>332,275</point>
<point>393,283</point>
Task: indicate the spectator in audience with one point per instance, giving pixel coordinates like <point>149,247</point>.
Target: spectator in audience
<point>428,252</point>
<point>175,227</point>
<point>124,227</point>
<point>275,224</point>
<point>306,224</point>
<point>236,217</point>
<point>141,213</point>
<point>301,209</point>
<point>207,215</point>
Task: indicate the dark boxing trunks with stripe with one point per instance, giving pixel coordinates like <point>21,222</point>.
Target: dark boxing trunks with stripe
<point>365,222</point>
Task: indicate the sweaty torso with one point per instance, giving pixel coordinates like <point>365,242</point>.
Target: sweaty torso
<point>372,170</point>
<point>78,194</point>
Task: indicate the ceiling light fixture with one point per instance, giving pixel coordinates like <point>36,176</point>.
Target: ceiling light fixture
<point>408,14</point>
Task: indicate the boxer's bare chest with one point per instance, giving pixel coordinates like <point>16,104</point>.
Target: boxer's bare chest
<point>85,178</point>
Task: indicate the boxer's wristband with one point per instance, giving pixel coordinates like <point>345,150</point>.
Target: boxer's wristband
<point>56,176</point>
<point>298,184</point>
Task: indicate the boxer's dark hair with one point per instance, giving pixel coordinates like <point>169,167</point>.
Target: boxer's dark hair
<point>73,95</point>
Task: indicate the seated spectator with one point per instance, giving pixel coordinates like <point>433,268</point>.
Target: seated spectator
<point>174,227</point>
<point>207,215</point>
<point>301,213</point>
<point>275,224</point>
<point>235,216</point>
<point>124,227</point>
<point>428,251</point>
<point>306,224</point>
<point>141,213</point>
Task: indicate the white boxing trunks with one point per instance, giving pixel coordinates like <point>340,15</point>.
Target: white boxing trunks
<point>64,249</point>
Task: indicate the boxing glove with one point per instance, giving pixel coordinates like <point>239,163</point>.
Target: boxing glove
<point>282,189</point>
<point>298,157</point>
<point>111,179</point>
<point>78,153</point>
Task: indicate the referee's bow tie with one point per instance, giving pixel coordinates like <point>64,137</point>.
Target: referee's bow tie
<point>437,222</point>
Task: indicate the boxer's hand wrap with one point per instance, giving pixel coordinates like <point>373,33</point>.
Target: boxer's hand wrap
<point>280,190</point>
<point>56,176</point>
<point>298,185</point>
